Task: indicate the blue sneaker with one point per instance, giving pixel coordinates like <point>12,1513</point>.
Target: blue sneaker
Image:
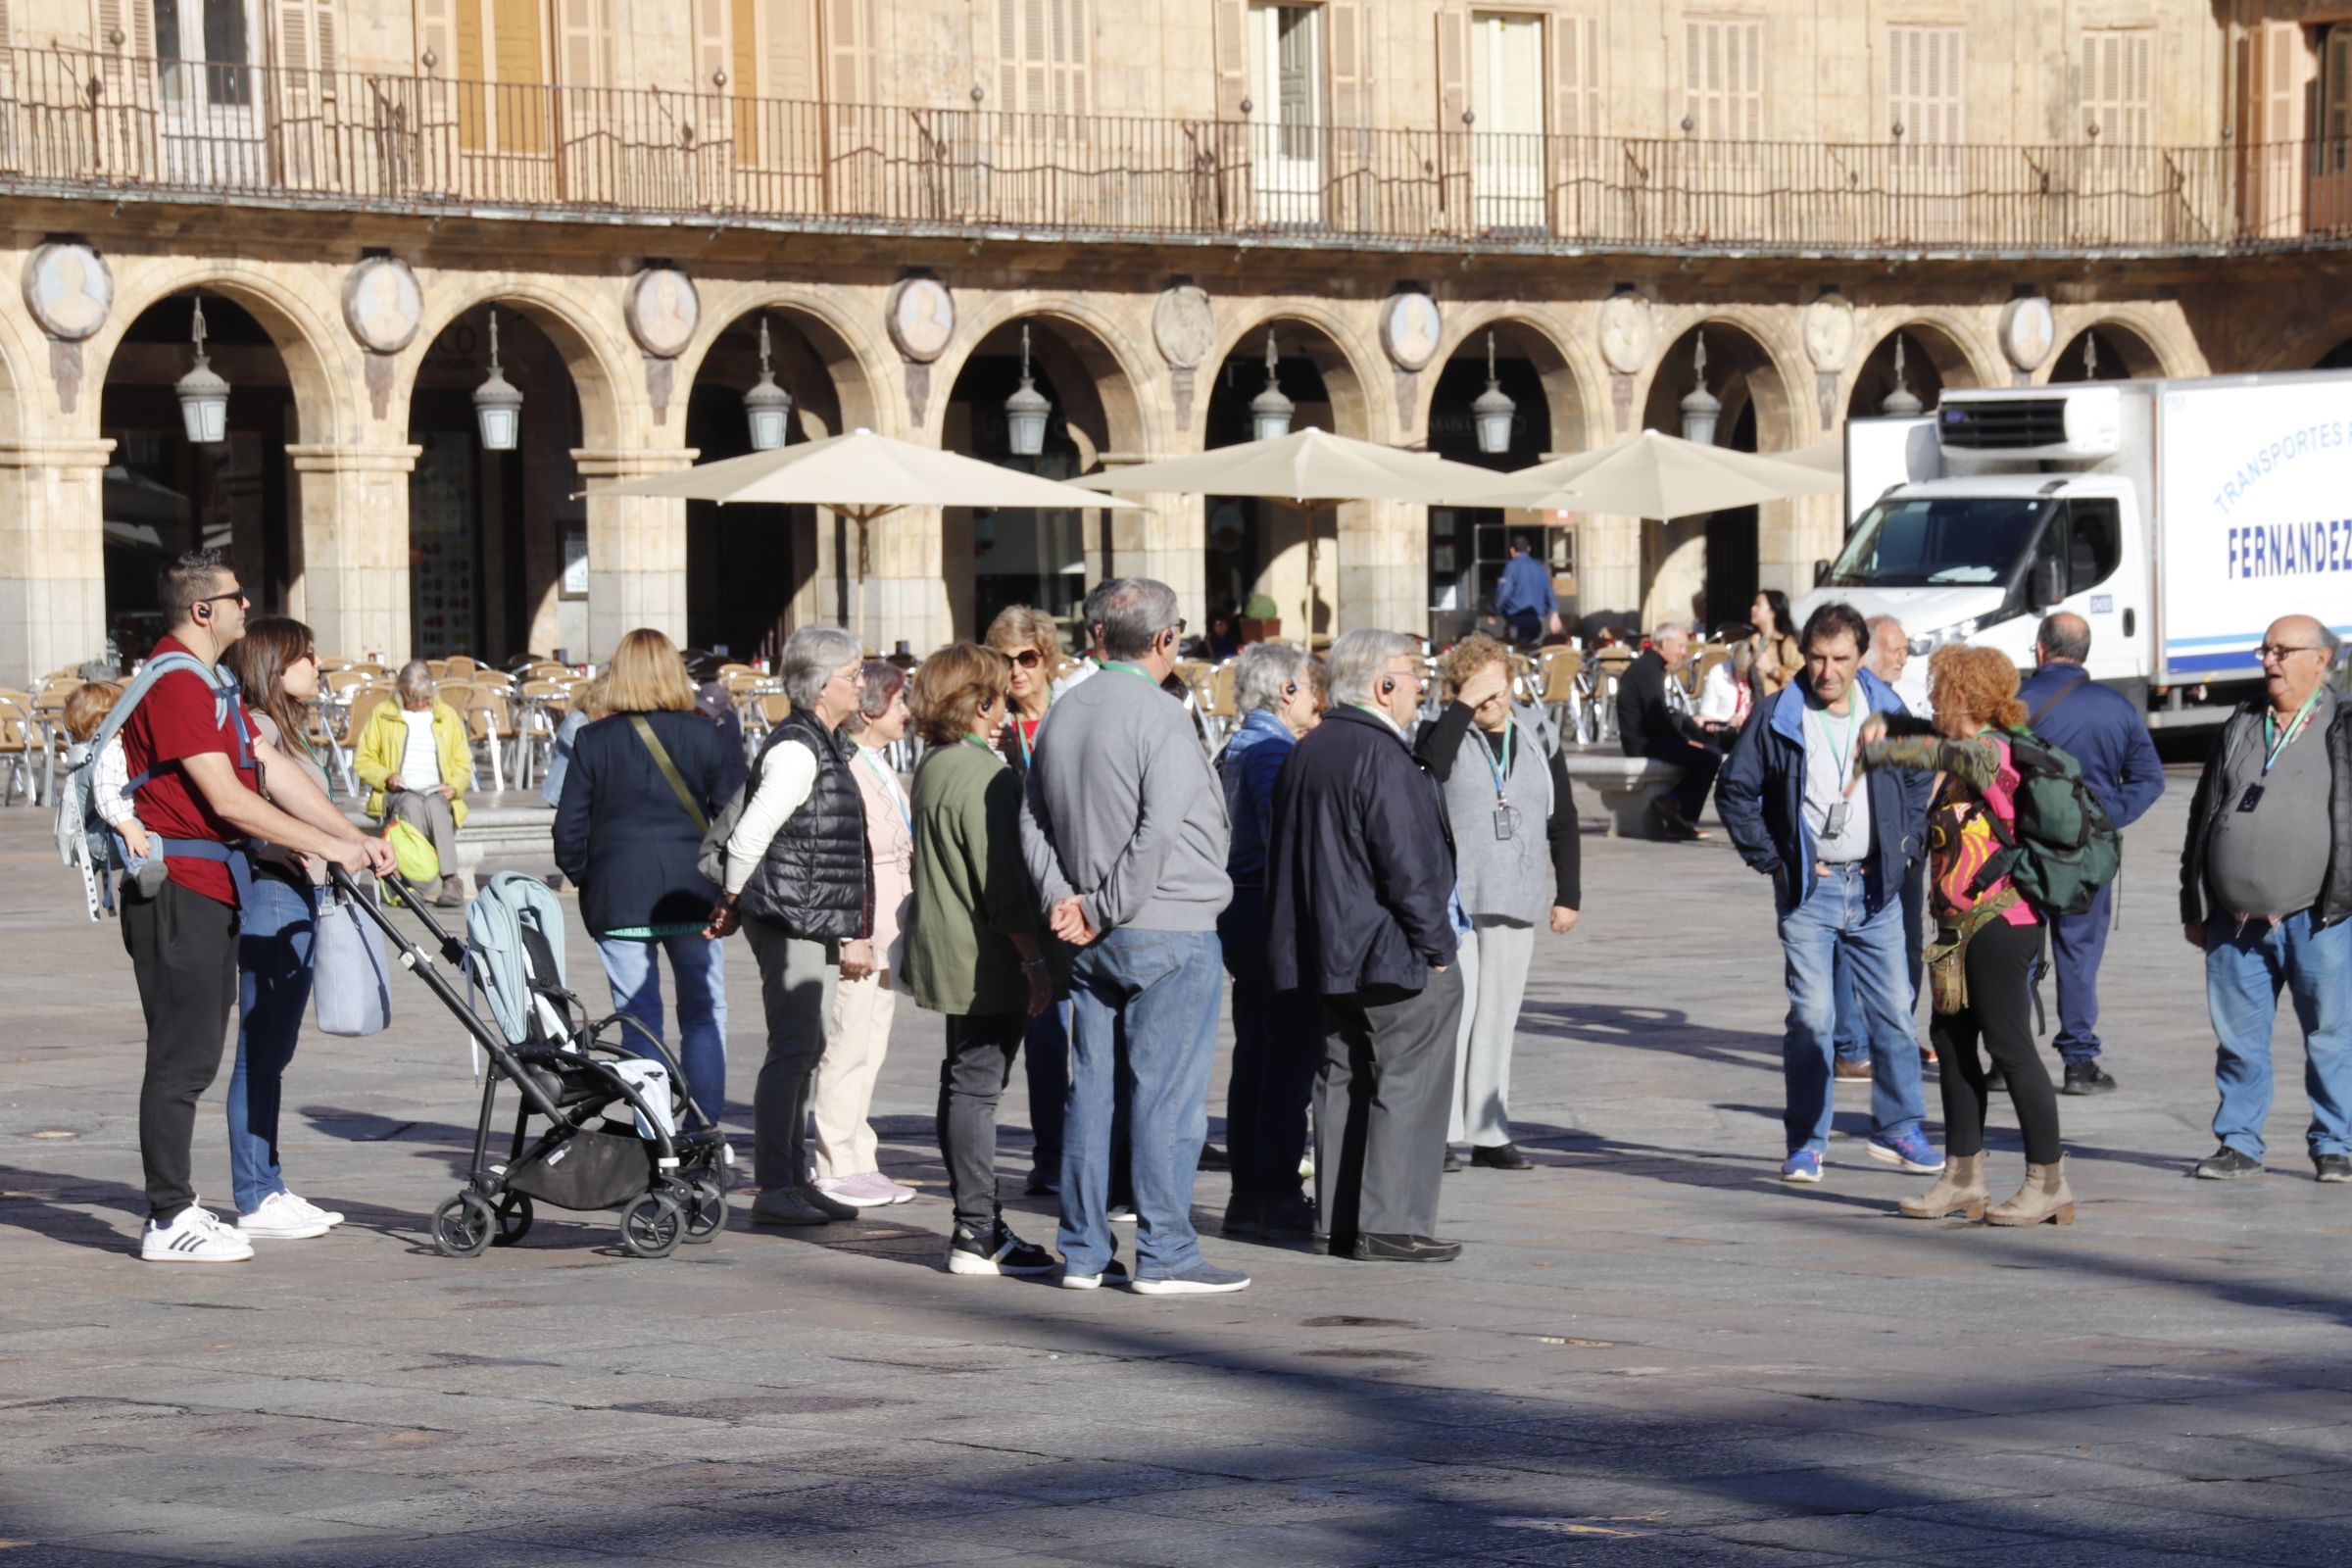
<point>1911,1151</point>
<point>1802,1167</point>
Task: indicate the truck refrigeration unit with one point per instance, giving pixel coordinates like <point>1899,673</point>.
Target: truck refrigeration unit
<point>2177,517</point>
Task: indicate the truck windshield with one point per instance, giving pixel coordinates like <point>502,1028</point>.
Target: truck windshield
<point>1916,542</point>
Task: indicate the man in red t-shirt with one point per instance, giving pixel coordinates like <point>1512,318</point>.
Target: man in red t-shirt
<point>193,739</point>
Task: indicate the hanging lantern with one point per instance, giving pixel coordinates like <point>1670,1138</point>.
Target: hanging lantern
<point>1899,403</point>
<point>1702,408</point>
<point>1269,410</point>
<point>497,403</point>
<point>1026,410</point>
<point>1491,409</point>
<point>203,395</point>
<point>767,404</point>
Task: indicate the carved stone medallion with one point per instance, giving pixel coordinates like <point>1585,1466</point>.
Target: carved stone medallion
<point>68,290</point>
<point>382,304</point>
<point>2029,331</point>
<point>1184,324</point>
<point>1409,329</point>
<point>1830,332</point>
<point>663,309</point>
<point>921,314</point>
<point>1626,333</point>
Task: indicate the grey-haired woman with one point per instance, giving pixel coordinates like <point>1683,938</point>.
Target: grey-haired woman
<point>801,883</point>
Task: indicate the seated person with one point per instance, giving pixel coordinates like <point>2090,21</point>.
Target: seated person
<point>415,760</point>
<point>1654,721</point>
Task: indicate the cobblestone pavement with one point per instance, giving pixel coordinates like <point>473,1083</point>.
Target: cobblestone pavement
<point>1651,1353</point>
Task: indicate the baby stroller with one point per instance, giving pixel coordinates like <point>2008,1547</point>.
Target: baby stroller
<point>620,1129</point>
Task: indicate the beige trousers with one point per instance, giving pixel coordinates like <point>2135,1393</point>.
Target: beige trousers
<point>843,1091</point>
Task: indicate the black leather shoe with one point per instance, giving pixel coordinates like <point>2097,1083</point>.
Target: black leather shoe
<point>1501,1157</point>
<point>1454,1161</point>
<point>791,1205</point>
<point>1371,1249</point>
<point>2333,1167</point>
<point>1997,1082</point>
<point>2087,1078</point>
<point>1244,1216</point>
<point>1213,1158</point>
<point>2226,1164</point>
<point>1288,1219</point>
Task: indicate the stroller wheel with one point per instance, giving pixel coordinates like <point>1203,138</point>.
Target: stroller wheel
<point>705,1210</point>
<point>514,1219</point>
<point>463,1225</point>
<point>650,1226</point>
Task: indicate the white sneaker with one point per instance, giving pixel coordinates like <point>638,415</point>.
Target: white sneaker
<point>195,1235</point>
<point>861,1190</point>
<point>311,1210</point>
<point>279,1220</point>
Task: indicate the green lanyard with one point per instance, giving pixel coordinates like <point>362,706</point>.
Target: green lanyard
<point>1500,769</point>
<point>2270,721</point>
<point>979,745</point>
<point>1844,740</point>
<point>1137,670</point>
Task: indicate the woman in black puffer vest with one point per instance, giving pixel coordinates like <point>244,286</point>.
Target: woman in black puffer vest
<point>800,882</point>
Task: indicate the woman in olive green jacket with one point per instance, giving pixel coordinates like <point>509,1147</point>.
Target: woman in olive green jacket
<point>973,943</point>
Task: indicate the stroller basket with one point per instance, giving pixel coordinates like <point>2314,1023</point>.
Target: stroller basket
<point>617,1127</point>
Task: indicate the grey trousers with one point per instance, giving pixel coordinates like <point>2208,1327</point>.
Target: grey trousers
<point>1380,1107</point>
<point>1494,960</point>
<point>431,816</point>
<point>797,981</point>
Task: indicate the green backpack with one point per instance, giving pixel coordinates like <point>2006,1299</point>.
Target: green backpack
<point>2064,848</point>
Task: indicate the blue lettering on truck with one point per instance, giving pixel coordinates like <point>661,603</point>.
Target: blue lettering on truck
<point>2288,549</point>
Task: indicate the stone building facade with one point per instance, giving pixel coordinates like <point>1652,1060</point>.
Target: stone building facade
<point>897,190</point>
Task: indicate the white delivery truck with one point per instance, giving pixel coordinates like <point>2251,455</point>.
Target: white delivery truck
<point>2177,517</point>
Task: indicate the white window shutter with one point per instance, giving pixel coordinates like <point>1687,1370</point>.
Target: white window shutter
<point>713,45</point>
<point>1347,45</point>
<point>1453,84</point>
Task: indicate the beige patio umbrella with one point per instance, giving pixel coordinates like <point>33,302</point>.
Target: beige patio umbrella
<point>1313,469</point>
<point>1827,456</point>
<point>863,476</point>
<point>1654,474</point>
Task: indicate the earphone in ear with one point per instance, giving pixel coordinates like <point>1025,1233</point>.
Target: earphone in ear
<point>204,611</point>
<point>1289,689</point>
<point>1387,686</point>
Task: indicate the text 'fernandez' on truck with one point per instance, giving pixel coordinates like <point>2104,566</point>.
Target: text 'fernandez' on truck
<point>2177,517</point>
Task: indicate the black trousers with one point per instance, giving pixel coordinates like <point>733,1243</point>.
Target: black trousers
<point>1699,765</point>
<point>1277,1046</point>
<point>183,949</point>
<point>1380,1107</point>
<point>971,1080</point>
<point>2000,1015</point>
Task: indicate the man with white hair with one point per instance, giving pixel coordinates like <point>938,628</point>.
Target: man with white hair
<point>1125,835</point>
<point>1361,908</point>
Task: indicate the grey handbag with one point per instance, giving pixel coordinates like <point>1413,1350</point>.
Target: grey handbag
<point>351,985</point>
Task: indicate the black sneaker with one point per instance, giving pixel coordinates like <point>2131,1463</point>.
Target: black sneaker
<point>1499,1156</point>
<point>2087,1078</point>
<point>1242,1216</point>
<point>2333,1167</point>
<point>1213,1158</point>
<point>2226,1164</point>
<point>1044,1183</point>
<point>1288,1219</point>
<point>997,1252</point>
<point>827,1205</point>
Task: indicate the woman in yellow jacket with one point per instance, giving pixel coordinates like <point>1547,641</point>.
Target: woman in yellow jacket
<point>415,760</point>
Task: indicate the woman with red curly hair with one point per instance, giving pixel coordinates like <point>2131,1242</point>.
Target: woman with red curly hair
<point>1988,937</point>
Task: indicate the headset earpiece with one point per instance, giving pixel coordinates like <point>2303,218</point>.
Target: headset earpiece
<point>1387,686</point>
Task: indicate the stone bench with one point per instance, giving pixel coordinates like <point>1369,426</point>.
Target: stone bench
<point>1626,785</point>
<point>498,828</point>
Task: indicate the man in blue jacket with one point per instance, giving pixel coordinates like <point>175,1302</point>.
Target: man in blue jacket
<point>2104,732</point>
<point>1835,857</point>
<point>1524,598</point>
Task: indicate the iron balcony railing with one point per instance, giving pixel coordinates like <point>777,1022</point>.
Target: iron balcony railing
<point>103,125</point>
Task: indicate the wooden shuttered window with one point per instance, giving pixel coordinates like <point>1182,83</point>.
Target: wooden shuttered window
<point>132,19</point>
<point>1926,95</point>
<point>586,43</point>
<point>1576,74</point>
<point>849,52</point>
<point>1045,53</point>
<point>1344,39</point>
<point>2119,86</point>
<point>1232,23</point>
<point>1723,77</point>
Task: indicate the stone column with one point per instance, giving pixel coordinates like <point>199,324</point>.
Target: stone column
<point>636,547</point>
<point>51,559</point>
<point>898,580</point>
<point>352,587</point>
<point>1163,536</point>
<point>1608,563</point>
<point>1382,577</point>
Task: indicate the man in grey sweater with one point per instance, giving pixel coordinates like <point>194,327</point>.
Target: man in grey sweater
<point>1125,835</point>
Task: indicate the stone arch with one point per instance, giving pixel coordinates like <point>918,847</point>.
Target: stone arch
<point>1562,365</point>
<point>855,362</point>
<point>1086,341</point>
<point>307,331</point>
<point>2146,343</point>
<point>1342,358</point>
<point>590,346</point>
<point>20,412</point>
<point>1951,360</point>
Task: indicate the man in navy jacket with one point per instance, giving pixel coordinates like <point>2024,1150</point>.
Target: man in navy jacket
<point>1360,909</point>
<point>2104,732</point>
<point>1835,857</point>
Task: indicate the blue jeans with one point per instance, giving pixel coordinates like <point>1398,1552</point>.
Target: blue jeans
<point>698,963</point>
<point>1854,1045</point>
<point>1157,992</point>
<point>1837,920</point>
<point>1045,1064</point>
<point>275,930</point>
<point>2245,964</point>
<point>2078,942</point>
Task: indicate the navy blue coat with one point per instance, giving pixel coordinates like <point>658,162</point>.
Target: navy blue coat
<point>1359,867</point>
<point>1760,796</point>
<point>2100,728</point>
<point>621,832</point>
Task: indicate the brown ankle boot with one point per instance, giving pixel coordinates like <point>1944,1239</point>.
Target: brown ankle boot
<point>1961,1187</point>
<point>2044,1197</point>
